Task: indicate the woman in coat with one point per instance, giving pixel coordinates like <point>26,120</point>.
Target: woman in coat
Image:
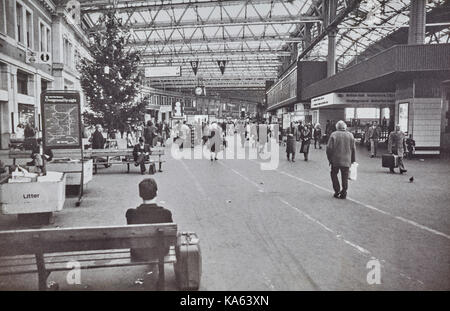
<point>291,143</point>
<point>306,136</point>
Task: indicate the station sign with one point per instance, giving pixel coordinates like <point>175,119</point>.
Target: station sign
<point>190,111</point>
<point>163,71</point>
<point>355,99</point>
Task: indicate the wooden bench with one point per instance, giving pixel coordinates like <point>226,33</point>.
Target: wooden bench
<point>125,157</point>
<point>43,251</point>
<point>61,153</point>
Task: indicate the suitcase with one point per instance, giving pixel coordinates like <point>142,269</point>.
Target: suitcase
<point>188,267</point>
<point>389,160</point>
<point>152,168</point>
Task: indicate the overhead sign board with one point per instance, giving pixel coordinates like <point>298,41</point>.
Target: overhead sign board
<point>163,71</point>
<point>178,109</point>
<point>61,119</point>
<point>353,100</point>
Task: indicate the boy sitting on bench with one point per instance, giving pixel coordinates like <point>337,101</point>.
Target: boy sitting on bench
<point>147,213</point>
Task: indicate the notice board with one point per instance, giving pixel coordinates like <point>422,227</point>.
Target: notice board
<point>61,119</point>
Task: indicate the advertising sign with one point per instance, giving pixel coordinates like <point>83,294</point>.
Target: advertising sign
<point>163,71</point>
<point>403,116</point>
<point>353,99</point>
<point>61,119</point>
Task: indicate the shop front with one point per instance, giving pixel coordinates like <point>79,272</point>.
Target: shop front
<point>357,109</point>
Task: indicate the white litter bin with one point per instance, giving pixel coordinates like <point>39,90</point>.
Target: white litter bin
<point>44,196</point>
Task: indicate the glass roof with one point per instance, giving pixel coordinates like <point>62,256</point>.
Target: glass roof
<point>256,37</point>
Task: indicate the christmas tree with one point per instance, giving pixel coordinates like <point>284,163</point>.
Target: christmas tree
<point>110,80</point>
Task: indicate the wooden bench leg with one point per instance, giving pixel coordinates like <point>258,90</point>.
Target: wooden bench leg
<point>42,272</point>
<point>128,167</point>
<point>161,276</point>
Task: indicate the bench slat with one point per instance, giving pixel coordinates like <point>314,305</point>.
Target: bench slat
<point>115,258</point>
<point>20,242</point>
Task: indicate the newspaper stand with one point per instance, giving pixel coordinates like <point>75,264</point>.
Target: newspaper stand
<point>61,126</point>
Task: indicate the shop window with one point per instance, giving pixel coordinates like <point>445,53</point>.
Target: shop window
<point>22,82</point>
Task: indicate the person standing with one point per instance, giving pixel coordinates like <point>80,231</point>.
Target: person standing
<point>374,136</point>
<point>185,135</point>
<point>29,134</point>
<point>41,156</point>
<point>206,133</point>
<point>396,145</point>
<point>291,142</point>
<point>340,154</point>
<point>306,136</point>
<point>149,133</point>
<point>214,140</point>
<point>411,146</point>
<point>98,141</point>
<point>317,136</point>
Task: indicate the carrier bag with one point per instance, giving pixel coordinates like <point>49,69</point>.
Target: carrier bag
<point>389,160</point>
<point>353,173</point>
<point>188,267</point>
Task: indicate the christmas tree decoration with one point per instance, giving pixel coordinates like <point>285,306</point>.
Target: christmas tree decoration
<point>111,80</point>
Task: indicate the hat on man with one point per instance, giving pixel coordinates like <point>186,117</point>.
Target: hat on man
<point>148,189</point>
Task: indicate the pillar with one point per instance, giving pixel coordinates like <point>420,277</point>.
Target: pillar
<point>417,20</point>
<point>331,58</point>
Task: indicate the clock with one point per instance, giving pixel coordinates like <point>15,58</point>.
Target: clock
<point>198,90</point>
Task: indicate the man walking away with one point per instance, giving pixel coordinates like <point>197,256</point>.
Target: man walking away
<point>340,154</point>
<point>396,145</point>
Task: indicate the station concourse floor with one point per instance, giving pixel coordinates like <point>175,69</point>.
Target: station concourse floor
<point>280,229</point>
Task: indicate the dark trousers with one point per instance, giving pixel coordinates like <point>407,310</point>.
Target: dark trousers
<point>289,153</point>
<point>373,146</point>
<point>140,160</point>
<point>317,141</point>
<point>344,176</point>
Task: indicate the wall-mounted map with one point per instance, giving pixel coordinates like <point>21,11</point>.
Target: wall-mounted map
<point>61,119</point>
